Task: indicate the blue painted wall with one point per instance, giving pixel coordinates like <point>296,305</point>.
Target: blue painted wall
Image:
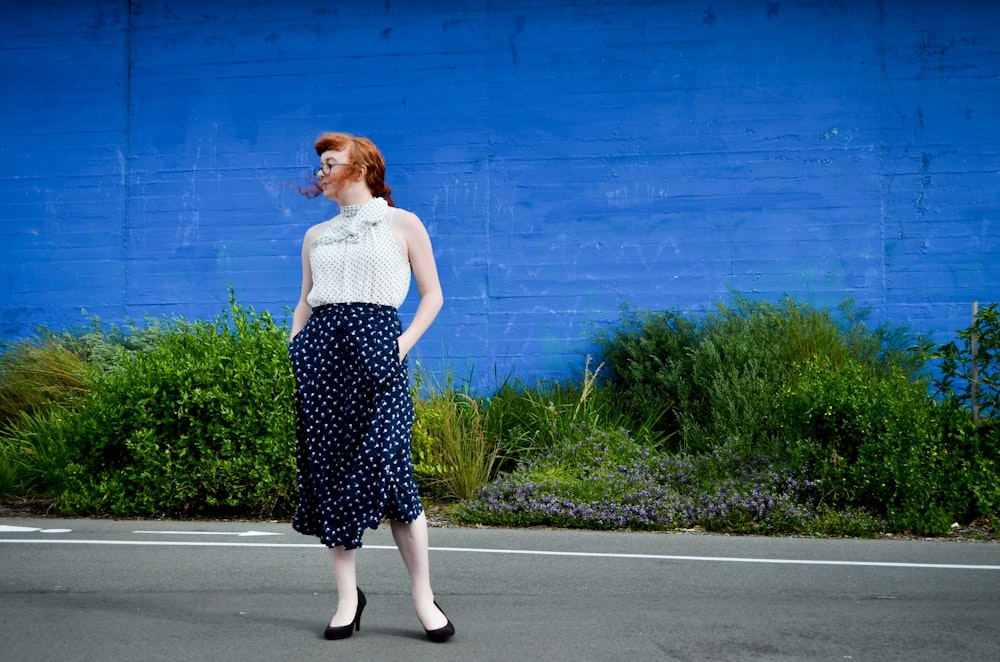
<point>566,156</point>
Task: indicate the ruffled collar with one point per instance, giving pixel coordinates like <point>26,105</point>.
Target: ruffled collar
<point>355,220</point>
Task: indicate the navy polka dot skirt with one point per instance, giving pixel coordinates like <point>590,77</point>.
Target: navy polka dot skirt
<point>354,418</point>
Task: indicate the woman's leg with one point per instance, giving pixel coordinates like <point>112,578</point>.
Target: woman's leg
<point>411,539</point>
<point>347,585</point>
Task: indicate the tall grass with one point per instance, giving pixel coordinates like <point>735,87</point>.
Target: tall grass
<point>528,419</point>
<point>32,452</point>
<point>467,454</point>
<point>454,456</point>
<point>40,383</point>
<point>35,373</point>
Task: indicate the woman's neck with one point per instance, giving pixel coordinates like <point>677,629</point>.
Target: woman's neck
<point>355,194</point>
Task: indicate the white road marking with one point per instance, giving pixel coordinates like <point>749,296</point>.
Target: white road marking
<point>729,559</point>
<point>243,534</point>
<point>7,528</point>
<point>529,552</point>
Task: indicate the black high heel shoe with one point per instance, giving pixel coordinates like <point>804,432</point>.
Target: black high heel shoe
<point>345,631</point>
<point>442,634</point>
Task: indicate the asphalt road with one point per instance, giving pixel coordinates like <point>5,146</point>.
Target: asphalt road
<point>140,590</point>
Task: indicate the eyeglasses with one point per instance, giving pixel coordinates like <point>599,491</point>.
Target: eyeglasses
<point>327,168</point>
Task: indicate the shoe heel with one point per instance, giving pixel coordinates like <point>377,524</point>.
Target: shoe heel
<point>362,602</point>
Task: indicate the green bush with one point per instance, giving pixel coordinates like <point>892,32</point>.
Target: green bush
<point>977,446</point>
<point>718,377</point>
<point>873,443</point>
<point>105,346</point>
<point>973,440</point>
<point>42,380</point>
<point>200,424</point>
<point>649,357</point>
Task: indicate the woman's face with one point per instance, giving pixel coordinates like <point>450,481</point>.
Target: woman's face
<point>337,179</point>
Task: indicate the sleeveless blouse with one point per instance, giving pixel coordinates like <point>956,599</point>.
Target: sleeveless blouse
<point>357,260</point>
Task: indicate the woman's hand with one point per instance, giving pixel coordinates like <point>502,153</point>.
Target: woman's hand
<point>404,347</point>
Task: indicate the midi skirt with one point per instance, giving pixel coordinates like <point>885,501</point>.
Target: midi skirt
<point>354,419</point>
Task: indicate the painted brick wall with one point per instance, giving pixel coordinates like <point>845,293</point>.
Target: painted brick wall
<point>567,157</point>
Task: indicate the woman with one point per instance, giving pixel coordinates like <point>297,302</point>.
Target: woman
<point>348,351</point>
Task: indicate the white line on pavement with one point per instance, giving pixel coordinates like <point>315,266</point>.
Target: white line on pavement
<point>240,534</point>
<point>471,550</point>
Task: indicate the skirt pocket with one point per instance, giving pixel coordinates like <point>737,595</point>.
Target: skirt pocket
<point>379,349</point>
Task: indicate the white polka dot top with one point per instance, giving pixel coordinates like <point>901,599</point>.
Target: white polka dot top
<point>356,259</point>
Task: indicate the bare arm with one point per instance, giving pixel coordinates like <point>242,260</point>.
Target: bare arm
<point>413,237</point>
<point>302,309</point>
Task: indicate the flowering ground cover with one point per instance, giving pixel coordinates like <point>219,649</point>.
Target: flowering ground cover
<point>608,481</point>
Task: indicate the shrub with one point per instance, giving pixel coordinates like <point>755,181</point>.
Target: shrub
<point>42,380</point>
<point>202,423</point>
<point>973,440</point>
<point>105,346</point>
<point>719,377</point>
<point>649,356</point>
<point>875,443</point>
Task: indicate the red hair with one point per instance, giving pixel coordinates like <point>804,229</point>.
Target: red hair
<point>363,157</point>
